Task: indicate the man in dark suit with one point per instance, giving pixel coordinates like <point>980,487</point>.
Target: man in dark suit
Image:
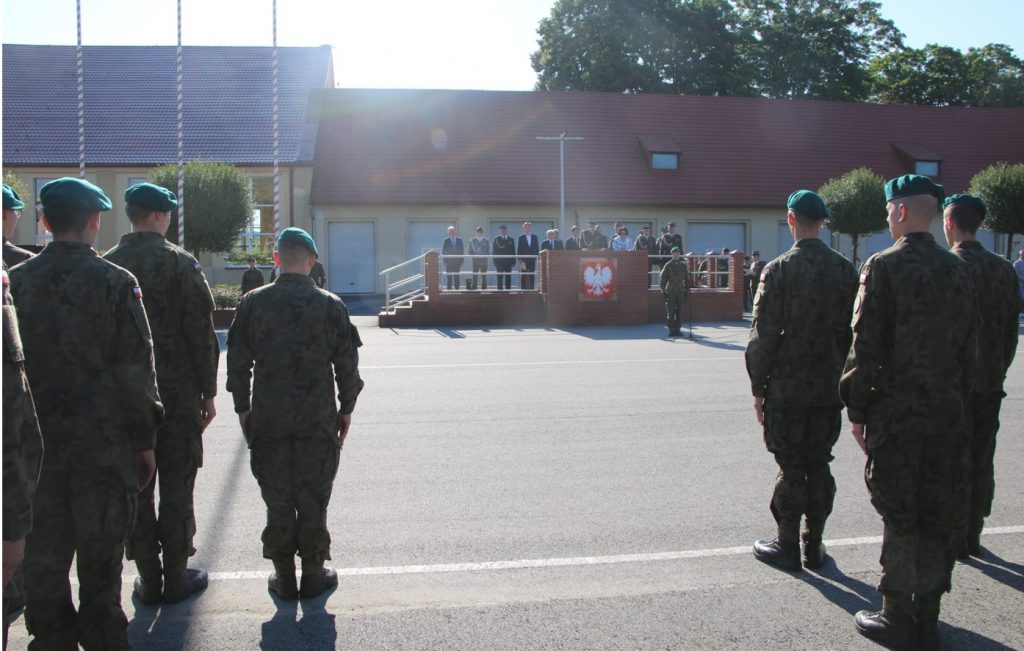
<point>573,243</point>
<point>503,249</point>
<point>527,250</point>
<point>452,246</point>
<point>552,243</point>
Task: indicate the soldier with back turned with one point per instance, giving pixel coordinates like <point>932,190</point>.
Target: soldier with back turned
<point>288,412</point>
<point>179,307</point>
<point>995,285</point>
<point>12,213</point>
<point>909,370</point>
<point>798,342</point>
<point>89,358</point>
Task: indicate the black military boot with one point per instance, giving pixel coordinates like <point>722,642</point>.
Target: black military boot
<point>814,551</point>
<point>781,554</point>
<point>149,584</point>
<point>893,626</point>
<point>181,582</point>
<point>972,546</point>
<point>316,579</point>
<point>282,580</point>
<point>926,615</point>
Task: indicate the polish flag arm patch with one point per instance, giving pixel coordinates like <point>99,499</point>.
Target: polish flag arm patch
<point>137,293</point>
<point>863,279</point>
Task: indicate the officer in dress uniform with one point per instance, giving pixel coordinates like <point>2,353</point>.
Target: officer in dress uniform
<point>89,358</point>
<point>179,307</point>
<point>503,248</point>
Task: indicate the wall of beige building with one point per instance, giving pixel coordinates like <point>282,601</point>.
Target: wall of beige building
<point>294,209</point>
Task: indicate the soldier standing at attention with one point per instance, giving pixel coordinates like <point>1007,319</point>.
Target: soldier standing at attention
<point>292,423</point>
<point>252,278</point>
<point>319,274</point>
<point>89,358</point>
<point>995,285</point>
<point>22,454</point>
<point>675,286</point>
<point>904,385</point>
<point>504,251</point>
<point>12,213</point>
<point>179,307</point>
<point>798,342</point>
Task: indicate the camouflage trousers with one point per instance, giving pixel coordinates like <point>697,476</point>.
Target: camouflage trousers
<point>976,481</point>
<point>801,440</point>
<point>296,476</point>
<point>911,479</point>
<point>179,455</point>
<point>674,304</point>
<point>85,511</point>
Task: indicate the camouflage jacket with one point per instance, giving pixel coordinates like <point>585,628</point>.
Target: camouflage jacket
<point>675,277</point>
<point>667,241</point>
<point>998,295</point>
<point>88,356</point>
<point>251,279</point>
<point>179,307</point>
<point>14,254</point>
<point>301,342</point>
<point>23,444</point>
<point>801,330</point>
<point>914,328</point>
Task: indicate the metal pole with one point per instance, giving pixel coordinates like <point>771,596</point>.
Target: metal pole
<point>561,176</point>
<point>181,138</point>
<point>277,170</point>
<point>81,93</point>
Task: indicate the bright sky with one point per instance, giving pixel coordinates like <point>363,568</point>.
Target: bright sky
<point>482,44</point>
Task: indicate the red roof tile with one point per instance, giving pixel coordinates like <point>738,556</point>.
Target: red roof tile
<point>480,147</point>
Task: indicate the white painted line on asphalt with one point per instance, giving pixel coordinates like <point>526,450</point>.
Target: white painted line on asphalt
<point>564,562</point>
<point>567,362</point>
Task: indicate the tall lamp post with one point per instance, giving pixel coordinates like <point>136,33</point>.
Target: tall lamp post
<point>561,173</point>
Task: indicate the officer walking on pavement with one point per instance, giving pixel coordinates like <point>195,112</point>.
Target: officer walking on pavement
<point>288,413</point>
<point>89,358</point>
<point>909,370</point>
<point>179,307</point>
<point>995,285</point>
<point>675,287</point>
<point>798,342</point>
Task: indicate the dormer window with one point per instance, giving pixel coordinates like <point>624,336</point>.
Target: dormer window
<point>660,152</point>
<point>920,159</point>
<point>926,167</point>
<point>664,161</point>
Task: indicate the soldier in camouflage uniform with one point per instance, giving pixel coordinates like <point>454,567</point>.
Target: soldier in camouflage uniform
<point>675,287</point>
<point>798,343</point>
<point>89,358</point>
<point>995,285</point>
<point>293,424</point>
<point>12,212</point>
<point>909,370</point>
<point>22,453</point>
<point>179,307</point>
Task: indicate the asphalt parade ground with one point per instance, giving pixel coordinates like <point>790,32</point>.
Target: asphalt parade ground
<point>589,488</point>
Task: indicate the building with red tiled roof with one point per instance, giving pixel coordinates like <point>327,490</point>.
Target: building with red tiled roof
<point>394,167</point>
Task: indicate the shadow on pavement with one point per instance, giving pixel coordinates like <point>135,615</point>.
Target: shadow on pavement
<point>1007,572</point>
<point>316,630</point>
<point>848,593</point>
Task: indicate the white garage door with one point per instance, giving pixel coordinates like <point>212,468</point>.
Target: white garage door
<point>701,238</point>
<point>424,236</point>
<point>874,243</point>
<point>786,238</point>
<point>351,266</point>
<point>987,239</point>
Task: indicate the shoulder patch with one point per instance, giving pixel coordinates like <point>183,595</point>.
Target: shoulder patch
<point>864,279</point>
<point>137,293</point>
<point>198,267</point>
<point>7,279</point>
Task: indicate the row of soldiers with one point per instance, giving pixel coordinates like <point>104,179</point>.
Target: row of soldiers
<point>122,390</point>
<point>916,347</point>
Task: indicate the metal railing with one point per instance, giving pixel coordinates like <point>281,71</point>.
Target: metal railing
<point>410,291</point>
<point>706,271</point>
<point>463,280</point>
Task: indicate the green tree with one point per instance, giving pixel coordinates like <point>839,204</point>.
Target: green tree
<point>217,203</point>
<point>816,49</point>
<point>995,76</point>
<point>934,75</point>
<point>654,46</point>
<point>1002,188</point>
<point>857,202</point>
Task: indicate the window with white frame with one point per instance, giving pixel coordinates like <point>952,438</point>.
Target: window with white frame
<point>259,235</point>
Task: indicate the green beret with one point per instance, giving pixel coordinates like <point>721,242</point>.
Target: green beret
<point>675,249</point>
<point>151,197</point>
<point>73,195</point>
<point>11,199</point>
<point>298,236</point>
<point>911,184</point>
<point>967,200</point>
<point>808,204</point>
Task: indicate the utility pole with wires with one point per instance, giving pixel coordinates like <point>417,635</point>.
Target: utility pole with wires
<point>561,173</point>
